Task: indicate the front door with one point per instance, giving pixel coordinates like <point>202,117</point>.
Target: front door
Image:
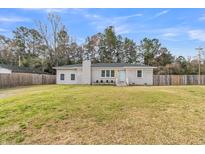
<point>121,75</point>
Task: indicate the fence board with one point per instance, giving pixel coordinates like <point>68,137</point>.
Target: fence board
<point>23,79</point>
<point>165,80</point>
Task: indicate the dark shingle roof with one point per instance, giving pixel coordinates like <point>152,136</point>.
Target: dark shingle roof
<point>73,65</point>
<point>18,69</point>
<point>107,65</point>
<point>117,65</point>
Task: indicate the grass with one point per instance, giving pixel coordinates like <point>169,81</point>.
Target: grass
<point>62,114</point>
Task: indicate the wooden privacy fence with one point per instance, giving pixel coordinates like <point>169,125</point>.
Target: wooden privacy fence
<point>23,79</point>
<point>165,80</point>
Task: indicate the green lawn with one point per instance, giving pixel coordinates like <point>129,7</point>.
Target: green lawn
<point>57,114</point>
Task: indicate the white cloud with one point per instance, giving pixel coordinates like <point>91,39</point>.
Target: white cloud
<point>3,30</point>
<point>169,34</point>
<point>121,23</point>
<point>165,31</point>
<point>161,13</point>
<point>93,16</point>
<point>47,10</point>
<point>50,10</point>
<point>202,17</point>
<point>122,29</point>
<point>13,19</point>
<point>197,34</point>
<point>129,16</point>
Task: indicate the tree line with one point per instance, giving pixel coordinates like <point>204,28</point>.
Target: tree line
<point>49,45</point>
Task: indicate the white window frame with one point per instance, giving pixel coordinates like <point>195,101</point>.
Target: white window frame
<point>137,73</point>
<point>63,77</point>
<point>111,73</point>
<point>106,73</point>
<point>71,76</point>
<point>101,74</point>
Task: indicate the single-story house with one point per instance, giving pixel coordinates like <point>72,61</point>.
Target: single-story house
<point>105,73</point>
<point>8,69</point>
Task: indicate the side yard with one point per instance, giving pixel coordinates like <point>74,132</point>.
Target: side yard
<point>77,114</point>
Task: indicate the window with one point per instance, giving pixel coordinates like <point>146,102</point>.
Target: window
<point>112,73</point>
<point>62,77</point>
<point>103,73</point>
<point>139,73</point>
<point>72,76</point>
<point>107,73</point>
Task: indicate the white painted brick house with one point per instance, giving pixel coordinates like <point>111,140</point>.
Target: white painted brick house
<point>105,73</point>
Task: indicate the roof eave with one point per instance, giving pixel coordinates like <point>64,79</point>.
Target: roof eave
<point>65,68</point>
<point>151,67</point>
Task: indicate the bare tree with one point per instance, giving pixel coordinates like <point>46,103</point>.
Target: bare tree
<point>50,33</point>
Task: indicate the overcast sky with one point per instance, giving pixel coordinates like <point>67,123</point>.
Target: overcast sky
<point>180,30</point>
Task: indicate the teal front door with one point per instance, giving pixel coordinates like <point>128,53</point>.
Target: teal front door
<point>121,75</point>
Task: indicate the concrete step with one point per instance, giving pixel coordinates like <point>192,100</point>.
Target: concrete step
<point>121,84</point>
